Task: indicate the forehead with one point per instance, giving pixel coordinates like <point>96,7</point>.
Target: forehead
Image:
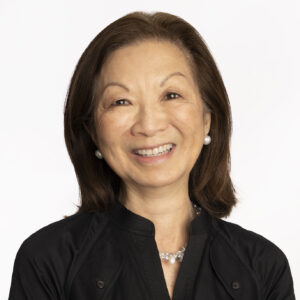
<point>149,57</point>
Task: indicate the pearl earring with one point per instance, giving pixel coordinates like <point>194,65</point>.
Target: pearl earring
<point>98,154</point>
<point>207,140</point>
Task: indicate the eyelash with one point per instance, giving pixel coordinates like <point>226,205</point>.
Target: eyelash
<point>113,104</point>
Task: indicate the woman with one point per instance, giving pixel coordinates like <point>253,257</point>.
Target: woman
<point>147,127</point>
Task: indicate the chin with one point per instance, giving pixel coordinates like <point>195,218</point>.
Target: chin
<point>158,181</point>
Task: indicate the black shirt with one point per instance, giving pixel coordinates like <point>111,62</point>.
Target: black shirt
<point>114,256</point>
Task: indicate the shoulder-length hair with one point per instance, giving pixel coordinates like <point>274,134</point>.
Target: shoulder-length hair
<point>209,182</point>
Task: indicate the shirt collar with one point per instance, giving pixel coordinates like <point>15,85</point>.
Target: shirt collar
<point>130,221</point>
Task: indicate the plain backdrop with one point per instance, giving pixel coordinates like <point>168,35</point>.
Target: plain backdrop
<point>256,47</point>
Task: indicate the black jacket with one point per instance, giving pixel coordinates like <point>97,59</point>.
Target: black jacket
<point>114,255</point>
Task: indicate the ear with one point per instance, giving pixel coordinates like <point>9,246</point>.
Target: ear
<point>207,122</point>
<point>91,134</point>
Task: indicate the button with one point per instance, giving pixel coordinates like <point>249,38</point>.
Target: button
<point>100,284</point>
<point>235,285</point>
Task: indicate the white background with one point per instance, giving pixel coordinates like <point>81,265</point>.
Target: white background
<point>256,47</point>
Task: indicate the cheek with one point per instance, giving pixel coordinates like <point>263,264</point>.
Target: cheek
<point>188,118</point>
<point>110,128</point>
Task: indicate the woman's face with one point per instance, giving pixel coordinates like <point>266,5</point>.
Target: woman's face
<point>150,99</point>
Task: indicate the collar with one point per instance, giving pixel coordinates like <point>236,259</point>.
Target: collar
<point>130,221</point>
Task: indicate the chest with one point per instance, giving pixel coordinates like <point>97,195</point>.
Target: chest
<point>142,275</point>
<point>170,274</point>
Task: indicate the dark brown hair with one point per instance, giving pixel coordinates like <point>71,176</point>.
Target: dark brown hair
<point>209,182</point>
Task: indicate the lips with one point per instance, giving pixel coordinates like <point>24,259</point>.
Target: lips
<point>151,147</point>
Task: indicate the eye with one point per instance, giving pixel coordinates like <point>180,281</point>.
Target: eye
<point>173,95</point>
<point>119,102</point>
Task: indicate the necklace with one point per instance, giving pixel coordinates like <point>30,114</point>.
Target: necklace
<point>178,256</point>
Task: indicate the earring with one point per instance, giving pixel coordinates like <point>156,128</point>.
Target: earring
<point>98,154</point>
<point>207,140</point>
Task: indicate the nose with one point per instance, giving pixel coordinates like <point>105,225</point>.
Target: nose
<point>149,120</point>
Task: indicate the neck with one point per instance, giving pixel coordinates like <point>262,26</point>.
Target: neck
<point>171,213</point>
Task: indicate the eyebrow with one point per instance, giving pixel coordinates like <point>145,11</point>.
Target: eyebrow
<point>115,83</point>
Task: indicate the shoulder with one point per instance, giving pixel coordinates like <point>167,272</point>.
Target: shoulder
<point>262,257</point>
<point>248,243</point>
<point>56,245</point>
<point>70,230</point>
<point>47,257</point>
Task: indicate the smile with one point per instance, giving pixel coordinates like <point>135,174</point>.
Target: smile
<point>154,155</point>
<point>157,151</point>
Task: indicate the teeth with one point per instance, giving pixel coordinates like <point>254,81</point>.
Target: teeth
<point>155,151</point>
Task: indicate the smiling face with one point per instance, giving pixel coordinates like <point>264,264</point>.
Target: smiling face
<point>147,97</point>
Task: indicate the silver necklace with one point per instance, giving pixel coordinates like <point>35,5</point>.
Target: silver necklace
<point>178,256</point>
